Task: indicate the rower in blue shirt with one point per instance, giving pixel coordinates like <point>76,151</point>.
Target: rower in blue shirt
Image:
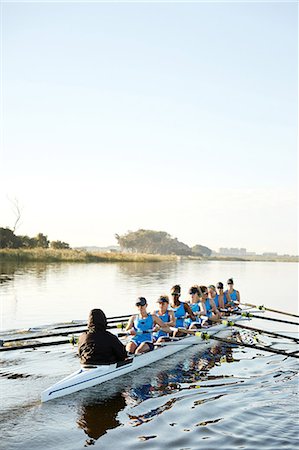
<point>166,315</point>
<point>180,309</point>
<point>212,312</point>
<point>232,294</point>
<point>221,299</point>
<point>197,307</point>
<point>141,327</point>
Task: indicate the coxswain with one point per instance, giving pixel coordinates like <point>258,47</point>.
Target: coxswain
<point>98,346</point>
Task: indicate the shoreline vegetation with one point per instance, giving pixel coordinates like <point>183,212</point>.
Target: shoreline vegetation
<point>71,255</point>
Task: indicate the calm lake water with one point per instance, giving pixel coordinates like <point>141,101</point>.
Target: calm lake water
<point>223,396</point>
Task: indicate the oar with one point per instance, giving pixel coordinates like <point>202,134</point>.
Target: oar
<point>138,333</point>
<point>206,336</point>
<point>257,347</point>
<point>263,308</point>
<point>293,353</point>
<point>112,320</point>
<point>46,335</point>
<point>115,319</point>
<point>248,314</point>
<point>72,341</point>
<point>259,330</point>
<point>37,344</point>
<point>39,336</point>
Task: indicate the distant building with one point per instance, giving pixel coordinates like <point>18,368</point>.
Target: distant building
<point>269,254</point>
<point>233,251</point>
<point>93,249</point>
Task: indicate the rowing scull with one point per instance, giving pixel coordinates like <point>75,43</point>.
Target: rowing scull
<point>88,376</point>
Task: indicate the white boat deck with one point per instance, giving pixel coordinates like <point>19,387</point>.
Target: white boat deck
<point>90,376</point>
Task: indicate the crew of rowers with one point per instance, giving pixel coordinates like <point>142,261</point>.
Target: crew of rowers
<point>205,306</point>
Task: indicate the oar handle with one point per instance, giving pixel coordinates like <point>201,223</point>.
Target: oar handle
<point>201,334</point>
<point>138,333</point>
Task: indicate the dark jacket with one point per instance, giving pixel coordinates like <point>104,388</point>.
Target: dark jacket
<point>97,345</point>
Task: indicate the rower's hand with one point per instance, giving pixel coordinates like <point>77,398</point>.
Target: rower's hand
<point>132,331</point>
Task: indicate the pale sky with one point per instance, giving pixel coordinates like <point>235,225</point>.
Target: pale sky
<point>170,116</point>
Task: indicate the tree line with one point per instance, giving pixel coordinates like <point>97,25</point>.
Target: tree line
<point>8,239</point>
<point>158,242</point>
<point>140,241</point>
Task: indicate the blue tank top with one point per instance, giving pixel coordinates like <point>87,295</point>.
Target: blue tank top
<point>216,300</point>
<point>225,301</point>
<point>208,307</point>
<point>233,295</point>
<point>165,318</point>
<point>195,308</point>
<point>141,324</point>
<point>179,314</point>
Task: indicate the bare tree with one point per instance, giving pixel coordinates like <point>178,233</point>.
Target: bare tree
<point>16,211</point>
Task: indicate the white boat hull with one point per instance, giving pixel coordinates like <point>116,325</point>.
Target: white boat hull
<point>87,377</point>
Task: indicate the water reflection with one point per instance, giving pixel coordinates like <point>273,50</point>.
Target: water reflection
<point>96,418</point>
<point>8,270</point>
<point>4,278</point>
<point>261,392</point>
<point>149,271</point>
<point>54,292</point>
<point>185,376</point>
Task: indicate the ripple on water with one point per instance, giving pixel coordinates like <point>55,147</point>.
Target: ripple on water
<point>258,411</point>
<point>226,398</point>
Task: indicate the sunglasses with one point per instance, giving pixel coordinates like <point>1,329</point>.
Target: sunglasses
<point>175,294</point>
<point>140,304</point>
<point>162,300</point>
<point>193,292</point>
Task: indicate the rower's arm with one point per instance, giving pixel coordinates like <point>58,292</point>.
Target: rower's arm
<point>221,302</point>
<point>238,298</point>
<point>163,325</point>
<point>189,311</point>
<point>130,323</point>
<point>203,309</point>
<point>171,323</point>
<point>214,307</point>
